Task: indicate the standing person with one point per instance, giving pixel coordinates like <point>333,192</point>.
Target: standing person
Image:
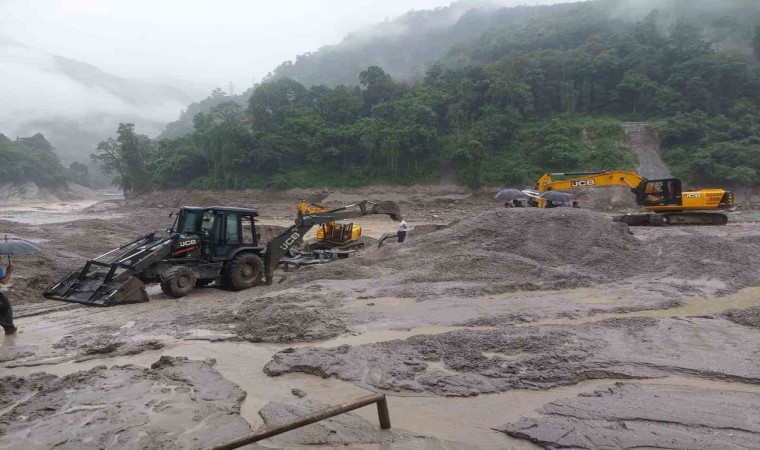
<point>402,230</point>
<point>6,313</point>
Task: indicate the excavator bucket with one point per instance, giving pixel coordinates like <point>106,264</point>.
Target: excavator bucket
<point>96,289</point>
<point>387,207</point>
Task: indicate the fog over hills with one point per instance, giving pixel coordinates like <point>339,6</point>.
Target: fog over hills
<point>75,104</point>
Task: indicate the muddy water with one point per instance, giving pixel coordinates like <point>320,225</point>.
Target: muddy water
<point>745,298</point>
<point>47,213</point>
<point>242,363</point>
<point>695,306</point>
<point>452,418</point>
<point>374,336</point>
<point>458,419</point>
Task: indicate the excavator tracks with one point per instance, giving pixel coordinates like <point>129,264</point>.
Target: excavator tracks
<point>673,219</point>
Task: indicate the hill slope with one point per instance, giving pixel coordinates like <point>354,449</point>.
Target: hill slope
<point>544,89</point>
<point>74,103</point>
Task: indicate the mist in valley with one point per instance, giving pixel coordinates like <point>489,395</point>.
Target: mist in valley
<point>74,70</point>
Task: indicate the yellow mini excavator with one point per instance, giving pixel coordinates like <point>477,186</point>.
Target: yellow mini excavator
<point>342,234</point>
<point>664,197</point>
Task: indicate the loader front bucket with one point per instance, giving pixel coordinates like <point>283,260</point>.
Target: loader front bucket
<point>98,290</point>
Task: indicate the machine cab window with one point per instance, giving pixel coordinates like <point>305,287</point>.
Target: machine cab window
<point>249,230</point>
<point>232,229</point>
<point>190,221</point>
<point>661,192</point>
<point>207,224</point>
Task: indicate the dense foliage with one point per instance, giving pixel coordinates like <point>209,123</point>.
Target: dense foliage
<point>546,92</point>
<point>715,150</point>
<point>31,160</point>
<point>184,124</point>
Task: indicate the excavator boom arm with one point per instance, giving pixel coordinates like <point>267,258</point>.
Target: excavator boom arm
<point>630,180</point>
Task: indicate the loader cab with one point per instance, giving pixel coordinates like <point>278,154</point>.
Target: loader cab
<point>664,192</point>
<point>220,230</point>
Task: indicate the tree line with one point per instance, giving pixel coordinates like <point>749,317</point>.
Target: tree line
<point>545,99</point>
<point>32,159</point>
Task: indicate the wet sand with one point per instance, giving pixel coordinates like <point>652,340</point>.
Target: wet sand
<point>424,338</point>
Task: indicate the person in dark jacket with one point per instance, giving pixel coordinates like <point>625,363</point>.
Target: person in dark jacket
<point>6,313</point>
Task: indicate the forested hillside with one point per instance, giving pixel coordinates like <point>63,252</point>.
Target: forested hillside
<point>403,47</point>
<point>540,89</point>
<point>31,160</point>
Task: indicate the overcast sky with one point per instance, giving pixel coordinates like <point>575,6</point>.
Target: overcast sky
<point>208,43</point>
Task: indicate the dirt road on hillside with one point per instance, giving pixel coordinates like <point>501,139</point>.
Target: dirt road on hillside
<point>644,142</point>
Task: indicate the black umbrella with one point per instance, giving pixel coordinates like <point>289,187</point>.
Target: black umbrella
<point>509,194</point>
<point>557,197</point>
<point>17,247</point>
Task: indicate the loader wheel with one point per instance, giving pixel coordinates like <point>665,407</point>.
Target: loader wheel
<point>243,272</point>
<point>178,281</point>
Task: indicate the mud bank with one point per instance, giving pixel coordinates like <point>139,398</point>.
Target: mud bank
<point>644,416</point>
<point>282,318</point>
<point>464,363</point>
<point>527,249</point>
<point>176,403</point>
<point>749,316</point>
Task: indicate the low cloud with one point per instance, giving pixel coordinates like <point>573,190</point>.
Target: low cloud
<point>44,91</point>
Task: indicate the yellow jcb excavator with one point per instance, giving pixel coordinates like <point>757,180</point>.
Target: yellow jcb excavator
<point>342,234</point>
<point>663,197</point>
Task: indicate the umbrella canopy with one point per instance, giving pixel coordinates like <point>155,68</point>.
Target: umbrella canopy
<point>509,194</point>
<point>557,197</point>
<point>17,247</point>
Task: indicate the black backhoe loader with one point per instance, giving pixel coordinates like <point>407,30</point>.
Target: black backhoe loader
<point>207,244</point>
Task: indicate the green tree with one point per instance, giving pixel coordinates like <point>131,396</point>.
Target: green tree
<point>637,89</point>
<point>378,85</point>
<point>108,155</point>
<point>134,150</point>
<point>126,157</point>
<point>79,173</point>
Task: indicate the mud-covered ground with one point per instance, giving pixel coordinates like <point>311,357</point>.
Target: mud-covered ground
<point>488,328</point>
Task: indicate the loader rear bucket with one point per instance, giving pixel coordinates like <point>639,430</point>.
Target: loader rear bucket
<point>96,289</point>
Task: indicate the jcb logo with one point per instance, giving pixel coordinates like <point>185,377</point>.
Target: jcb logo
<point>187,243</point>
<point>583,183</point>
<point>289,241</point>
<point>693,195</point>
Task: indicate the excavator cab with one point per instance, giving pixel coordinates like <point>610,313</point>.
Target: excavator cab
<point>664,192</point>
<point>331,234</point>
<point>339,232</point>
